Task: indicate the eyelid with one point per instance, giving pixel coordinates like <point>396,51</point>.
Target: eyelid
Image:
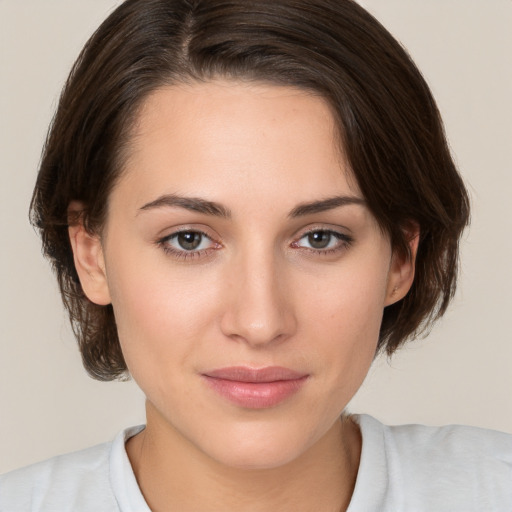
<point>345,240</point>
<point>205,230</point>
<point>162,242</point>
<point>341,231</point>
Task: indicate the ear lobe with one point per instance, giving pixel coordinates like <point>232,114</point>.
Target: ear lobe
<point>88,258</point>
<point>401,272</point>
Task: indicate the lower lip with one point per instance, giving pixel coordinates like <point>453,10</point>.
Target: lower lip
<point>255,395</point>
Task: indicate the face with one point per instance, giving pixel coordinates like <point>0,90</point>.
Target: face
<point>247,276</point>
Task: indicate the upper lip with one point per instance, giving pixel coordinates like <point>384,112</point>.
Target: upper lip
<point>247,374</point>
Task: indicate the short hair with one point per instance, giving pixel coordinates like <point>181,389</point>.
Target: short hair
<point>389,127</point>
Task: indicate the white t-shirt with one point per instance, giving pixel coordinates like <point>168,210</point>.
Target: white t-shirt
<point>409,468</point>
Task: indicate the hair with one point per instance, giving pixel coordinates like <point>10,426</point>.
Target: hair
<point>389,127</point>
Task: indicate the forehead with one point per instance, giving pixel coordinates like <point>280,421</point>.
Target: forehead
<point>221,138</point>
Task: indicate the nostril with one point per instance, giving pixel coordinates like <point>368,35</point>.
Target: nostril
<point>258,326</point>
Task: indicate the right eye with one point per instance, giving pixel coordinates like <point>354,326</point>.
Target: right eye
<point>187,243</point>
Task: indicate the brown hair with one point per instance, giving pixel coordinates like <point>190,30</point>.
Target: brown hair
<point>389,125</point>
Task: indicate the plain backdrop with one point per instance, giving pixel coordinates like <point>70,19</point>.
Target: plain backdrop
<point>460,374</point>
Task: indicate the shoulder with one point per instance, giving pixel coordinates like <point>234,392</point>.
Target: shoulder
<point>440,468</point>
<point>459,451</point>
<point>78,482</point>
<point>58,482</point>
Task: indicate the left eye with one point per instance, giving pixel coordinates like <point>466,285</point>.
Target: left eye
<point>189,241</point>
<point>321,240</point>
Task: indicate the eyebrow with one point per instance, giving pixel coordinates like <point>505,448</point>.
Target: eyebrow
<point>194,204</point>
<point>197,204</point>
<point>325,204</point>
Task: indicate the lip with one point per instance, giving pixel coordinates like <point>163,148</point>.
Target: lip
<point>255,388</point>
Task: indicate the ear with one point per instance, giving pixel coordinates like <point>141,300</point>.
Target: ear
<point>88,257</point>
<point>401,271</point>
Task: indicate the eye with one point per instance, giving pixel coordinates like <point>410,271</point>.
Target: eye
<point>319,239</point>
<point>323,240</point>
<point>187,243</point>
<point>188,240</point>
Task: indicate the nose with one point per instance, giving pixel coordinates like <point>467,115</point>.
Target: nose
<point>259,310</point>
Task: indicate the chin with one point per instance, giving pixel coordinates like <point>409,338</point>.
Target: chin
<point>260,446</point>
<point>257,457</point>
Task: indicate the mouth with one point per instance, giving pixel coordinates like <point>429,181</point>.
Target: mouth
<point>252,388</point>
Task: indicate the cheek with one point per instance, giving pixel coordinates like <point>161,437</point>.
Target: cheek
<point>345,311</point>
<point>161,314</point>
<point>350,301</point>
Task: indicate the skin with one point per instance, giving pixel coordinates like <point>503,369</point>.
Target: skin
<point>256,293</point>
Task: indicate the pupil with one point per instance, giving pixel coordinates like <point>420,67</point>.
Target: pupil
<point>319,239</point>
<point>189,241</point>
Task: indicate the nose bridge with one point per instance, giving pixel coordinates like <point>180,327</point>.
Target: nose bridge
<point>259,310</point>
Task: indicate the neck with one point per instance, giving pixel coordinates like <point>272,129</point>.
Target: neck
<point>174,475</point>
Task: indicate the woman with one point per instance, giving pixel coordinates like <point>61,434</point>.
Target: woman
<point>244,202</point>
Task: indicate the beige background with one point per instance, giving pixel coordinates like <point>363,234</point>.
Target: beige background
<point>460,374</point>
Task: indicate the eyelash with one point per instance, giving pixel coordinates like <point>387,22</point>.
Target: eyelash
<point>345,242</point>
<point>184,254</point>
